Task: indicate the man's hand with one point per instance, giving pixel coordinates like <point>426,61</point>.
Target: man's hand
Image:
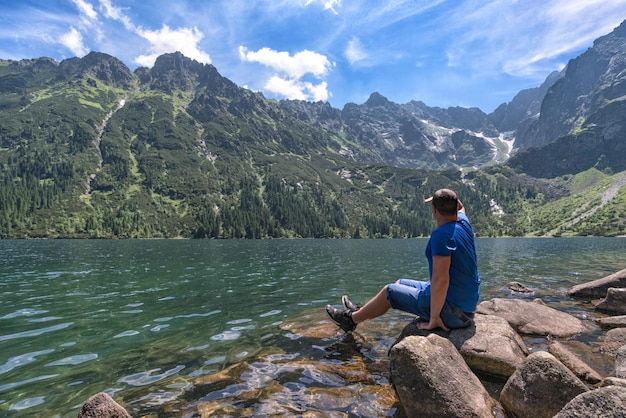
<point>432,324</point>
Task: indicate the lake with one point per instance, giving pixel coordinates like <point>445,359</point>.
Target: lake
<point>165,326</point>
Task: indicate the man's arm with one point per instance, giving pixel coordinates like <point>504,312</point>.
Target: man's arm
<point>460,207</point>
<point>439,283</point>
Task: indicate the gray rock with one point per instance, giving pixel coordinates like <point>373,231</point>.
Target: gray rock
<point>597,289</point>
<point>431,379</point>
<point>572,362</point>
<point>517,287</point>
<point>540,387</point>
<point>101,405</point>
<point>612,321</point>
<point>605,402</point>
<point>533,318</point>
<point>620,363</point>
<point>614,303</point>
<point>489,346</point>
<point>613,341</point>
<point>613,381</point>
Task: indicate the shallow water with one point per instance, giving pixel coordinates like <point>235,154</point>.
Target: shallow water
<point>177,327</point>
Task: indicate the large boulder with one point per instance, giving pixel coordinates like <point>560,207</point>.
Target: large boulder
<point>533,318</point>
<point>540,387</point>
<point>614,303</point>
<point>431,379</point>
<point>597,289</point>
<point>489,346</point>
<point>101,405</point>
<point>572,362</point>
<point>605,402</point>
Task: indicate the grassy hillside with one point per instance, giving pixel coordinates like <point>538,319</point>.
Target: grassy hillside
<point>89,150</point>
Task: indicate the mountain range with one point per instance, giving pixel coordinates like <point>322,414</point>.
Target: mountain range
<point>89,148</point>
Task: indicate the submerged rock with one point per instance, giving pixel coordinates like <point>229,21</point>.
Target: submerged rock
<point>432,380</point>
<point>540,387</point>
<point>517,287</point>
<point>533,318</point>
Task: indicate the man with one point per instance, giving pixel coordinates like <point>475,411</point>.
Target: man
<point>449,299</point>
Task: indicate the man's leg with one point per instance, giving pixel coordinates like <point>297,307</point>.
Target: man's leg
<point>375,307</point>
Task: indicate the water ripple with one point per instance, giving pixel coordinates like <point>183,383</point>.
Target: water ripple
<point>126,333</point>
<point>28,403</point>
<point>23,312</point>
<point>74,360</point>
<point>35,332</point>
<point>27,381</point>
<point>270,313</point>
<point>146,378</point>
<point>22,360</point>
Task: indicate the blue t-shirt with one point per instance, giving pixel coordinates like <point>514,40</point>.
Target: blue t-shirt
<point>456,240</point>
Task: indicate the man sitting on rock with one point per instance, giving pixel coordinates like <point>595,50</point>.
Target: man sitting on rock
<point>449,299</point>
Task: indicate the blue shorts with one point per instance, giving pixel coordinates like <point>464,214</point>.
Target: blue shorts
<point>413,296</point>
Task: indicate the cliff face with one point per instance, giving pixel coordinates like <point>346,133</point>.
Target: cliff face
<point>590,83</point>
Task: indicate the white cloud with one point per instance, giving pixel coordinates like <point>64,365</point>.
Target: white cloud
<point>328,4</point>
<point>164,40</point>
<point>354,51</point>
<point>296,89</point>
<point>73,41</point>
<point>115,13</point>
<point>86,9</point>
<point>303,62</point>
<point>291,69</point>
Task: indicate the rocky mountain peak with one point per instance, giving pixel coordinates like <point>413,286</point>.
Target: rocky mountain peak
<point>377,99</point>
<point>104,67</point>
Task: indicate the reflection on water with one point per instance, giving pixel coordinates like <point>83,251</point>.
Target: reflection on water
<point>169,326</point>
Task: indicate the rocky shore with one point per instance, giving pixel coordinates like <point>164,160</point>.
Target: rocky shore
<point>434,374</point>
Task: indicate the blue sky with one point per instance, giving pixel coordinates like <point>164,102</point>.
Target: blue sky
<point>470,53</point>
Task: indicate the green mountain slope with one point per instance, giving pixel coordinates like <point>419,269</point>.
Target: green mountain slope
<point>90,150</point>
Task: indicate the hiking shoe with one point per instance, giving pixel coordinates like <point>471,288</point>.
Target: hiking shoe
<point>347,303</point>
<point>342,318</point>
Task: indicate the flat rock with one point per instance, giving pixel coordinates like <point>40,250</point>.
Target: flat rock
<point>540,387</point>
<point>605,402</point>
<point>597,289</point>
<point>618,321</point>
<point>533,318</point>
